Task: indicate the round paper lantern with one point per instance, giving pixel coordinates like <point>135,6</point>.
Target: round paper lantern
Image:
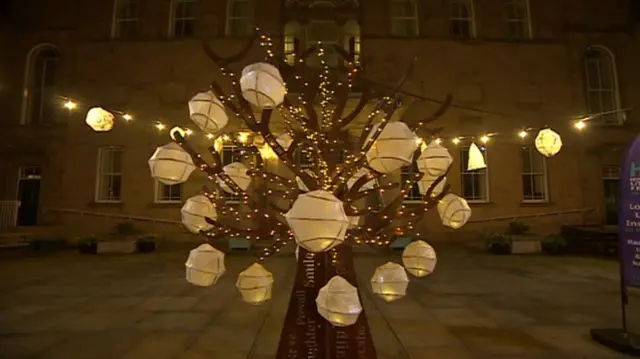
<point>285,140</point>
<point>204,265</point>
<point>390,281</point>
<point>207,112</point>
<point>170,164</point>
<point>338,302</point>
<point>99,119</point>
<point>454,211</point>
<point>354,221</point>
<point>393,149</point>
<point>548,142</point>
<point>195,210</point>
<point>419,258</point>
<point>262,85</point>
<point>426,181</point>
<point>356,176</point>
<point>318,221</point>
<point>255,284</point>
<point>435,160</point>
<point>237,171</point>
<point>301,186</point>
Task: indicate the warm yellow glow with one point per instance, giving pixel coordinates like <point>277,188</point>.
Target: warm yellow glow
<point>243,137</point>
<point>127,117</point>
<point>484,139</point>
<point>218,144</point>
<point>175,130</point>
<point>522,134</point>
<point>438,141</point>
<point>209,136</point>
<point>266,152</point>
<point>580,125</point>
<point>419,140</point>
<point>70,105</point>
<point>188,132</point>
<point>225,138</point>
<point>456,141</point>
<point>160,126</point>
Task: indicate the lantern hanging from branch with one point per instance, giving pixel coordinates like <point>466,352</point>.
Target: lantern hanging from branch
<point>262,85</point>
<point>297,252</point>
<point>285,140</point>
<point>207,112</point>
<point>393,149</point>
<point>170,164</point>
<point>390,281</point>
<point>338,302</point>
<point>419,258</point>
<point>548,142</point>
<point>237,171</point>
<point>301,186</point>
<point>361,172</point>
<point>454,211</point>
<point>99,119</point>
<point>204,265</point>
<point>195,210</point>
<point>318,221</point>
<point>255,284</point>
<point>425,183</point>
<point>435,160</point>
<point>476,158</point>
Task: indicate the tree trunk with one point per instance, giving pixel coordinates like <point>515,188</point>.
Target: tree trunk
<point>306,334</point>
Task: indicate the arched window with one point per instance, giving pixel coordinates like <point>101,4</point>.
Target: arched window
<point>39,89</point>
<point>404,18</point>
<point>601,84</point>
<point>240,16</point>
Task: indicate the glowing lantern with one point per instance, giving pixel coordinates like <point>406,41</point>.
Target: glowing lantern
<point>285,140</point>
<point>262,85</point>
<point>427,181</point>
<point>170,164</point>
<point>195,210</point>
<point>301,186</point>
<point>548,142</point>
<point>99,119</point>
<point>393,149</point>
<point>255,284</point>
<point>454,211</point>
<point>318,221</point>
<point>435,160</point>
<point>297,252</point>
<point>237,171</point>
<point>419,258</point>
<point>338,302</point>
<point>476,159</point>
<point>204,265</point>
<point>361,172</point>
<point>390,281</point>
<point>207,112</point>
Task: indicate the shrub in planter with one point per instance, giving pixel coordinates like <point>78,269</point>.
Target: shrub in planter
<point>88,245</point>
<point>554,245</point>
<point>499,243</point>
<point>517,228</point>
<point>146,243</point>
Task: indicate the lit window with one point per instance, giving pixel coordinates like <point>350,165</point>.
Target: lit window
<point>475,184</point>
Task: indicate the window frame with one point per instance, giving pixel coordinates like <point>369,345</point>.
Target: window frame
<point>464,174</point>
<point>605,55</point>
<point>100,175</point>
<point>231,18</point>
<point>413,19</point>
<point>159,186</point>
<point>45,92</point>
<point>404,171</point>
<point>525,22</point>
<point>228,197</point>
<point>173,19</point>
<point>533,153</point>
<point>471,19</point>
<point>326,44</point>
<point>115,26</point>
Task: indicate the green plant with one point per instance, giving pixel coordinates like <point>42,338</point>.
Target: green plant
<point>499,243</point>
<point>517,228</point>
<point>554,244</point>
<point>126,229</point>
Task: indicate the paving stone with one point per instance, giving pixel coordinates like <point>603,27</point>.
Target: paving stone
<point>103,320</point>
<point>112,303</point>
<point>22,346</point>
<point>507,317</point>
<point>158,346</point>
<point>169,303</point>
<point>454,352</point>
<point>102,345</point>
<point>574,340</point>
<point>191,321</point>
<point>462,317</point>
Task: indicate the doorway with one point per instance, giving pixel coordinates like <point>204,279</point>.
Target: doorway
<point>611,182</point>
<point>28,195</point>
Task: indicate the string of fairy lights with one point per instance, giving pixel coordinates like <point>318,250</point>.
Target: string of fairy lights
<point>296,113</point>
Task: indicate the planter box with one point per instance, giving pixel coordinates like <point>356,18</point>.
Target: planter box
<point>121,247</point>
<point>526,244</point>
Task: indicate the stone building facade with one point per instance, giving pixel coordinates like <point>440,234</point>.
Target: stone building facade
<point>510,65</point>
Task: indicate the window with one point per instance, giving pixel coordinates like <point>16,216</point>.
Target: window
<point>109,176</point>
<point>291,33</point>
<point>352,38</point>
<point>518,19</point>
<point>39,104</point>
<point>534,176</point>
<point>125,19</point>
<point>404,18</point>
<point>305,158</point>
<point>183,18</point>
<point>462,19</point>
<point>240,15</point>
<point>167,193</point>
<point>230,154</point>
<point>414,193</point>
<point>327,32</point>
<point>602,85</point>
<point>475,184</point>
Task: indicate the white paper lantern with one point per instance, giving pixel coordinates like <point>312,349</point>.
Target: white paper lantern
<point>419,258</point>
<point>476,159</point>
<point>170,164</point>
<point>435,160</point>
<point>207,112</point>
<point>297,252</point>
<point>393,149</point>
<point>255,284</point>
<point>354,221</point>
<point>548,142</point>
<point>454,211</point>
<point>195,210</point>
<point>204,265</point>
<point>301,186</point>
<point>426,181</point>
<point>318,221</point>
<point>390,281</point>
<point>237,171</point>
<point>356,176</point>
<point>99,119</point>
<point>284,140</point>
<point>262,85</point>
<point>338,302</point>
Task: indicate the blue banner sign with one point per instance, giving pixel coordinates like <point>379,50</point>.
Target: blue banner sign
<point>629,216</point>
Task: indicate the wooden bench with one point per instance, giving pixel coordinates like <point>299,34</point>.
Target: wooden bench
<point>239,244</point>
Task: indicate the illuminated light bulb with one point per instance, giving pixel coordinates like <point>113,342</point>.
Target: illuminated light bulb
<point>209,136</point>
<point>160,126</point>
<point>243,137</point>
<point>127,117</point>
<point>484,139</point>
<point>456,141</point>
<point>173,131</point>
<point>70,105</point>
<point>580,125</point>
<point>522,134</point>
<point>438,141</point>
<point>225,138</point>
<point>419,140</point>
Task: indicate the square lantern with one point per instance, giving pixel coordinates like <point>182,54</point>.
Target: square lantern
<point>170,164</point>
<point>419,258</point>
<point>454,211</point>
<point>195,211</point>
<point>207,112</point>
<point>204,265</point>
<point>393,149</point>
<point>338,302</point>
<point>255,284</point>
<point>262,85</point>
<point>390,281</point>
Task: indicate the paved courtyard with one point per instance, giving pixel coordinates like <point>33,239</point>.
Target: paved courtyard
<point>71,306</point>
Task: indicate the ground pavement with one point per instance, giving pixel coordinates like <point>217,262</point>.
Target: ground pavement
<point>71,306</point>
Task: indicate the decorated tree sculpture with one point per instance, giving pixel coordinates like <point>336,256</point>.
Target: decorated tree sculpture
<point>322,209</point>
